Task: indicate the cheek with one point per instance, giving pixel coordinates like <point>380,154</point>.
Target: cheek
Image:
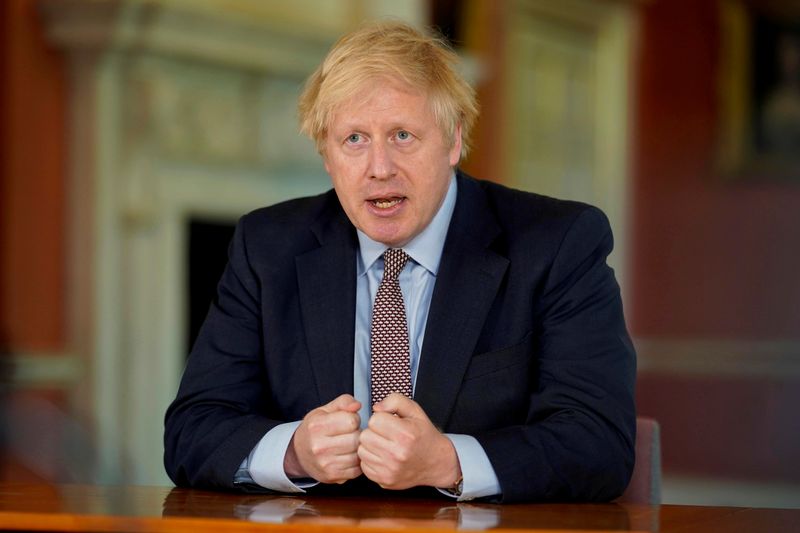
<point>345,168</point>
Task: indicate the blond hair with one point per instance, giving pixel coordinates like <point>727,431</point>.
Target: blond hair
<point>392,50</point>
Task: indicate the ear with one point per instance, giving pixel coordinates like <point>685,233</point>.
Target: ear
<point>455,150</point>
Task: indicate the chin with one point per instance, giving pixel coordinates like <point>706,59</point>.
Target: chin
<point>391,243</point>
<point>393,239</point>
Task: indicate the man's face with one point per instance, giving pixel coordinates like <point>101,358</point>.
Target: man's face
<point>389,161</point>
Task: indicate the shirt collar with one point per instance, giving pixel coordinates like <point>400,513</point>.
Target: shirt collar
<point>425,248</point>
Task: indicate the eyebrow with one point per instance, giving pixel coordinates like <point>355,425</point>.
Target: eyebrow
<point>353,126</point>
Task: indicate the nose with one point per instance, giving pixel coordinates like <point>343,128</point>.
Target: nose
<point>381,164</point>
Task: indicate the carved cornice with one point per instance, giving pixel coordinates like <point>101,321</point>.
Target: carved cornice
<point>177,29</point>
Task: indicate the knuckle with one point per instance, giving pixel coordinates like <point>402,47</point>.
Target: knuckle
<point>314,413</point>
<point>375,420</point>
<point>317,448</point>
<point>354,422</point>
<point>365,436</point>
<point>401,454</point>
<point>354,445</point>
<point>407,439</point>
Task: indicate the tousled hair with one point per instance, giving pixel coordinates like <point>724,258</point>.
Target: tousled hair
<point>395,51</point>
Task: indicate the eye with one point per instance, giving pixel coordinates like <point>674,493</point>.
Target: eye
<point>403,135</point>
<point>354,138</point>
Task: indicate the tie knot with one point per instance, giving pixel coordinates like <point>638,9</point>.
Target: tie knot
<point>394,259</point>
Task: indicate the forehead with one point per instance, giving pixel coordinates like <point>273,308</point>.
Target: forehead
<point>382,102</point>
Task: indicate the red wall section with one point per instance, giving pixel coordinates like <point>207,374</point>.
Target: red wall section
<point>712,258</point>
<point>32,183</point>
<point>737,427</point>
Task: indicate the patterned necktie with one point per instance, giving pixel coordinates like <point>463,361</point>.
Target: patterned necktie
<point>391,369</point>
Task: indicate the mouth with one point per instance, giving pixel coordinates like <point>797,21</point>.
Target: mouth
<point>386,203</point>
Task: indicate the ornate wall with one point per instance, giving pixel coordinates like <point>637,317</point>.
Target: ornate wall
<point>175,110</point>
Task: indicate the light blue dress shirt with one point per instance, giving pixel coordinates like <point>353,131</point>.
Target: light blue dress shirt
<point>264,465</point>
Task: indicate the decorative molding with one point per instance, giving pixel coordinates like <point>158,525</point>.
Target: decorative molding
<point>176,29</point>
<point>692,490</point>
<point>285,37</point>
<point>34,370</point>
<point>775,359</point>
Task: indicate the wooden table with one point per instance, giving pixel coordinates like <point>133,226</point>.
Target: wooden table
<point>102,508</point>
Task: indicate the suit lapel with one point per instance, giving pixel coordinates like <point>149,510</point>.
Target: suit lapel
<point>468,279</point>
<point>327,286</point>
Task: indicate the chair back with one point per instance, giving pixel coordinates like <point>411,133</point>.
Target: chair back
<point>645,484</point>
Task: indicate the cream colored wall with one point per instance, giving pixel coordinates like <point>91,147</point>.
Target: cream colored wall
<point>178,108</point>
<point>567,105</point>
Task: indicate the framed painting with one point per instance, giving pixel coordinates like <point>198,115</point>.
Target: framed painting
<point>760,90</point>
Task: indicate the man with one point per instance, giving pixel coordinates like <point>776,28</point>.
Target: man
<point>483,323</point>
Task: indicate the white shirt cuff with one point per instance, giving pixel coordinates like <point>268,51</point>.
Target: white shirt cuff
<point>479,477</point>
<point>265,463</point>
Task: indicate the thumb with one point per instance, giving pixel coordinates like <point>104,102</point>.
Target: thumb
<point>345,402</point>
<point>400,405</point>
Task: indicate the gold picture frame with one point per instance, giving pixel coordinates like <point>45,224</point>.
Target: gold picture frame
<point>759,90</point>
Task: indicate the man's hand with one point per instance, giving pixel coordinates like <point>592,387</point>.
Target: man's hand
<point>325,444</point>
<point>401,448</point>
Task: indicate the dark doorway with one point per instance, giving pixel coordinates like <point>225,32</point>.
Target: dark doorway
<point>208,255</point>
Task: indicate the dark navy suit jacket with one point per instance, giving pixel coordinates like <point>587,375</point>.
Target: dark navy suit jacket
<point>525,347</point>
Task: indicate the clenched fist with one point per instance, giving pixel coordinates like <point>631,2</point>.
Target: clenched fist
<point>401,448</point>
<point>325,445</point>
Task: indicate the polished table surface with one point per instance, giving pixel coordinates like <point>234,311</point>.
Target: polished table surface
<point>134,508</point>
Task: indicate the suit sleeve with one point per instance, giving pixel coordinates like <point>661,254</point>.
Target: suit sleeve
<point>215,421</point>
<point>577,441</point>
